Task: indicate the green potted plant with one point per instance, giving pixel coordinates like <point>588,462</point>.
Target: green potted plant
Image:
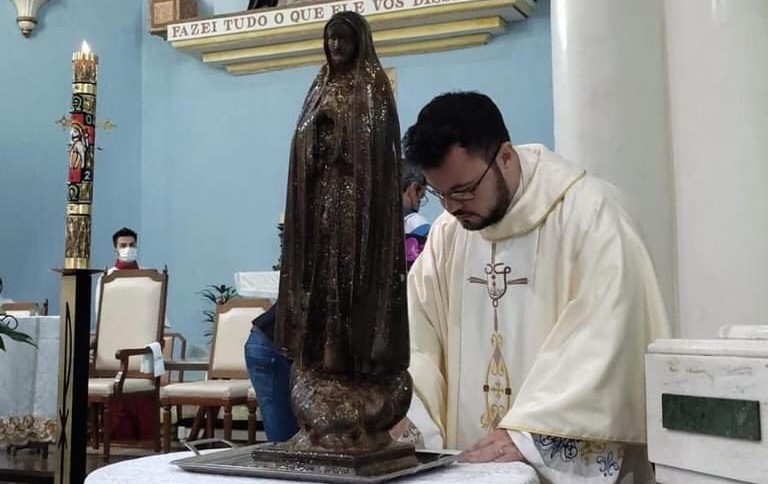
<point>8,325</point>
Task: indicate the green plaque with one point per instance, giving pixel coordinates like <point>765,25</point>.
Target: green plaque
<point>723,417</point>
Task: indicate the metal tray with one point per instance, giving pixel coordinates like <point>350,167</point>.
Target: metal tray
<point>238,462</point>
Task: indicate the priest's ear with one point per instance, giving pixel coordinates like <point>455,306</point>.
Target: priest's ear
<point>507,155</point>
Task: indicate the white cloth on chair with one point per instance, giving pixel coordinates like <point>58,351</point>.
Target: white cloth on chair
<point>153,361</point>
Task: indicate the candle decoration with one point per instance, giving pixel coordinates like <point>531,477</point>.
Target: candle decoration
<point>82,133</point>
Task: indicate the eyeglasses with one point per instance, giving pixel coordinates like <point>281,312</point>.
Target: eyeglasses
<point>465,194</point>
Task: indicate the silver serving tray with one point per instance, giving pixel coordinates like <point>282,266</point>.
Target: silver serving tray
<point>238,462</point>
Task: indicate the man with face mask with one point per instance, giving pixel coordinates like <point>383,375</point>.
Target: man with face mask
<point>125,242</point>
<point>531,306</point>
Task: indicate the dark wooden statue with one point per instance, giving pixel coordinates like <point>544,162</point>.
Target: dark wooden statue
<point>342,312</point>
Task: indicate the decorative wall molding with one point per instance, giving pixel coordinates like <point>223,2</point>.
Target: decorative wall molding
<point>271,39</point>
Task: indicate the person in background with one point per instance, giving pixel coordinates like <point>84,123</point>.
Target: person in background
<point>125,242</point>
<point>415,225</point>
<point>270,374</point>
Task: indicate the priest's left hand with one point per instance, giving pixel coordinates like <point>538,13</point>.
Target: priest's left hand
<point>496,447</point>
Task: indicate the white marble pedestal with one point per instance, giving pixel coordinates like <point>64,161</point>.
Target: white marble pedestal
<point>707,402</point>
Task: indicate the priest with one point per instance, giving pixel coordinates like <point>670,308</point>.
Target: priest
<point>531,306</point>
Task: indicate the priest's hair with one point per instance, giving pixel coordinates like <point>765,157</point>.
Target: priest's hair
<point>467,119</point>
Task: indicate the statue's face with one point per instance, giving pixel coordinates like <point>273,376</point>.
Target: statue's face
<point>341,43</point>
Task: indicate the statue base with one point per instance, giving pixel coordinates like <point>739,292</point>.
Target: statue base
<point>282,461</point>
<point>343,414</point>
<point>282,456</point>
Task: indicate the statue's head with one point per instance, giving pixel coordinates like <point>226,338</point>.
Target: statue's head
<point>347,39</point>
<point>340,43</point>
<point>74,134</point>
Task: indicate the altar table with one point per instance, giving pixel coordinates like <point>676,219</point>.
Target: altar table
<point>157,469</point>
<point>29,382</point>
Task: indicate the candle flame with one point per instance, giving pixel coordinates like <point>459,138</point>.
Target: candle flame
<point>85,48</point>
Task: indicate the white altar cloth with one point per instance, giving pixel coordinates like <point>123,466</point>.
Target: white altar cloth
<point>29,382</point>
<point>157,469</point>
<point>257,284</point>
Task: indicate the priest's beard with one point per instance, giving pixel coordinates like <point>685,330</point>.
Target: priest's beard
<point>498,211</point>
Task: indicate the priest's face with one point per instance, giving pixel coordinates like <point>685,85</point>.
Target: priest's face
<point>475,187</point>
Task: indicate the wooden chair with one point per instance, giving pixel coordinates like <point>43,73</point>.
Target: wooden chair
<point>252,402</point>
<point>23,309</point>
<point>130,316</point>
<point>228,383</point>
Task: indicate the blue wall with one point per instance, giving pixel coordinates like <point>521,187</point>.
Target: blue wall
<point>199,161</point>
<point>35,81</point>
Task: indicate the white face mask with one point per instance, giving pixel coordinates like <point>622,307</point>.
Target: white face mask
<point>127,254</point>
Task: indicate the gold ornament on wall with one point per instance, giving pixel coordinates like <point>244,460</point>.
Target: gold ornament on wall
<point>164,12</point>
<point>26,14</point>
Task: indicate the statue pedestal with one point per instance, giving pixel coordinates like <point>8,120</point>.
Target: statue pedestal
<point>347,415</point>
<point>282,456</point>
<point>273,461</point>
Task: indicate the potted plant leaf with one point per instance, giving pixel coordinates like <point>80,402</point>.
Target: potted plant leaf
<point>8,325</point>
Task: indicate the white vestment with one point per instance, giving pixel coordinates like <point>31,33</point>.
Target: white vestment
<point>539,323</point>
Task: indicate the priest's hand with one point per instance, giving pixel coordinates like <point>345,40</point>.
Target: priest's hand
<point>496,447</point>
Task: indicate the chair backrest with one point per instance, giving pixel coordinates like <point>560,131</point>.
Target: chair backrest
<point>130,315</point>
<point>232,328</point>
<point>25,308</point>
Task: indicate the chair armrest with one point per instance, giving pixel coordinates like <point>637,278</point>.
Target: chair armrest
<point>123,355</point>
<point>186,365</point>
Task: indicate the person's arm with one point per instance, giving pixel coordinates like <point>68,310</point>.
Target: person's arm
<point>567,461</point>
<point>418,428</point>
<point>557,460</point>
<point>587,380</point>
<point>427,313</point>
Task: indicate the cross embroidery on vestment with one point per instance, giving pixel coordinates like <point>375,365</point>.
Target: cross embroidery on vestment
<point>496,388</point>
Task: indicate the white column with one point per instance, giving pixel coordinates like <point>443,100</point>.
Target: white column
<point>610,111</point>
<point>718,85</point>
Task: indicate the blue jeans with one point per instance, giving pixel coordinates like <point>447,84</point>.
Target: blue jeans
<point>270,375</point>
